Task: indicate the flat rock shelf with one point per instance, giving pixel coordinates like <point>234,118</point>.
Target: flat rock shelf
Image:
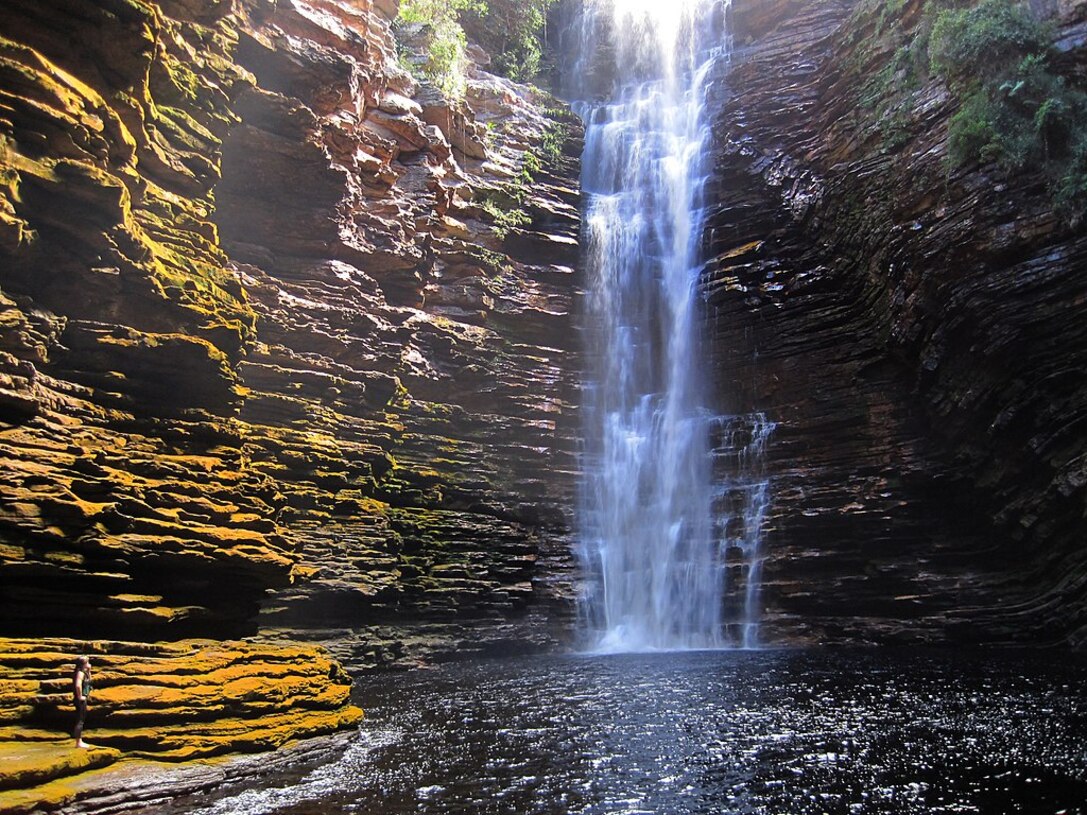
<point>153,707</point>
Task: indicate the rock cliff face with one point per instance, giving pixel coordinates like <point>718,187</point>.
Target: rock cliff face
<point>274,315</point>
<point>913,330</point>
<point>263,325</point>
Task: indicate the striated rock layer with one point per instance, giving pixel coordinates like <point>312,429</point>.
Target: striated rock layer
<point>915,333</point>
<point>171,702</point>
<point>275,315</point>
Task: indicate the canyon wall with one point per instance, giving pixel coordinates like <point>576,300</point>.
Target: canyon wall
<point>914,330</point>
<point>267,323</point>
<point>286,338</point>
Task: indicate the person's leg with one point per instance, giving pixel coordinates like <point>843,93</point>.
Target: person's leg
<point>81,717</point>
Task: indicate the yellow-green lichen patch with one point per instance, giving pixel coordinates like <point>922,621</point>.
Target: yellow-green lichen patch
<point>168,701</point>
<point>27,764</point>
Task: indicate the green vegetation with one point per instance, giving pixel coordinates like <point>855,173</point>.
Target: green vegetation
<point>506,210</point>
<point>885,94</point>
<point>886,13</point>
<point>988,36</point>
<point>510,30</point>
<point>1016,109</point>
<point>447,59</point>
<point>506,203</point>
<point>554,137</point>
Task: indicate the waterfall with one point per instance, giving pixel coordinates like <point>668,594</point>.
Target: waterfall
<point>741,504</point>
<point>651,545</point>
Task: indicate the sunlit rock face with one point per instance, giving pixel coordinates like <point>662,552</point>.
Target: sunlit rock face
<point>915,333</point>
<point>252,697</point>
<point>258,329</point>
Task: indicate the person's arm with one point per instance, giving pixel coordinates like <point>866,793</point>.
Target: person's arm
<point>77,680</point>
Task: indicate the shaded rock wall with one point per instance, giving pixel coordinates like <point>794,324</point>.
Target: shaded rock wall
<point>262,328</point>
<point>913,330</point>
<point>259,327</point>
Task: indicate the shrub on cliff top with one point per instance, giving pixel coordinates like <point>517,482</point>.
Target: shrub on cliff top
<point>510,30</point>
<point>991,35</point>
<point>1016,109</point>
<point>446,58</point>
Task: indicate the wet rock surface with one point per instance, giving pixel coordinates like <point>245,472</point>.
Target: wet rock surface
<point>144,785</point>
<point>914,333</point>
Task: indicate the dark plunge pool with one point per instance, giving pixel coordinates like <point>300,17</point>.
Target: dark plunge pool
<point>774,732</point>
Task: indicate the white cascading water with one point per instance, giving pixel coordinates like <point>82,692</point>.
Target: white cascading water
<point>741,506</point>
<point>650,544</point>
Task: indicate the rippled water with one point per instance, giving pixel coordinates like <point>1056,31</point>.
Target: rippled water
<point>774,732</point>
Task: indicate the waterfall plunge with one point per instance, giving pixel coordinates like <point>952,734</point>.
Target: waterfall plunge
<point>653,554</point>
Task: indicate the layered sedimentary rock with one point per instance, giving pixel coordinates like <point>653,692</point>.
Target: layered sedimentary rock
<point>913,330</point>
<point>169,702</point>
<point>275,315</point>
<point>267,320</point>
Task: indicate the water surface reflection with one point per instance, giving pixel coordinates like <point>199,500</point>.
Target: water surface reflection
<point>767,733</point>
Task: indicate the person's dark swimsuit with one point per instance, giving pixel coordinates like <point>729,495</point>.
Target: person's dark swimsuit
<point>81,704</point>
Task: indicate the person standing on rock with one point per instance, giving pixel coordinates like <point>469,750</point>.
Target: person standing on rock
<point>81,695</point>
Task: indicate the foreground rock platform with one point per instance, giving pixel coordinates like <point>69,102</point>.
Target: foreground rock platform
<point>142,786</point>
<point>163,703</point>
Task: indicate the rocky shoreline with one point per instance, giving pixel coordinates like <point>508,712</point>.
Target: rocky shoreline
<point>144,786</point>
<point>155,704</point>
